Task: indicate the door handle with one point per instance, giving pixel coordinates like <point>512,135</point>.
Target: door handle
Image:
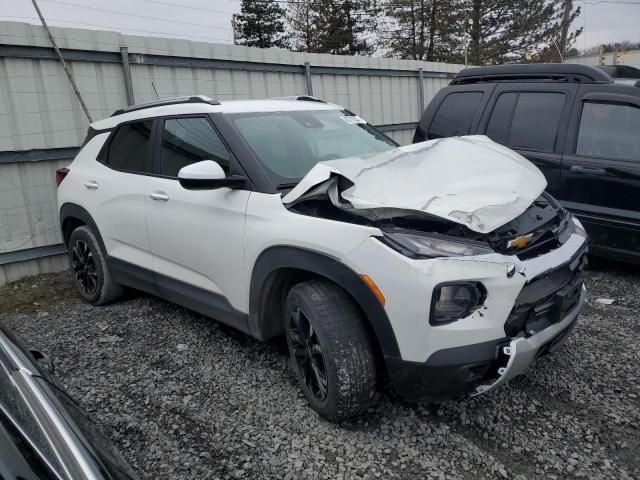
<point>159,196</point>
<point>588,170</point>
<point>92,185</point>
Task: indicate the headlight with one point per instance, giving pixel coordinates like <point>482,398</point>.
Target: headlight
<point>434,245</point>
<point>453,301</point>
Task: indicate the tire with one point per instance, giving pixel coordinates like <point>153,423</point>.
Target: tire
<point>336,340</point>
<point>89,269</point>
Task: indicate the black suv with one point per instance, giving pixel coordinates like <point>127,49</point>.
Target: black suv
<point>579,124</point>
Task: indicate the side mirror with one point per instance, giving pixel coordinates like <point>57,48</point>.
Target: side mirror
<point>208,175</point>
<point>43,360</point>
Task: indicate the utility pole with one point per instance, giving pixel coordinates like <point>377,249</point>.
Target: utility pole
<point>64,65</point>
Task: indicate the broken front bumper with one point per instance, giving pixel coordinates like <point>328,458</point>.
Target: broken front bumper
<point>478,368</point>
<point>522,351</point>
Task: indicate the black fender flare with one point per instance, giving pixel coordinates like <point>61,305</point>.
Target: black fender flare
<point>72,210</point>
<point>281,257</point>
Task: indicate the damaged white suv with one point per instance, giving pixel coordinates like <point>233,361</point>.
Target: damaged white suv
<point>441,268</point>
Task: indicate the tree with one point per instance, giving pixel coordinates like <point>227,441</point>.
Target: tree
<point>563,39</point>
<point>259,24</point>
<point>502,31</point>
<point>302,21</point>
<point>422,29</point>
<point>338,27</point>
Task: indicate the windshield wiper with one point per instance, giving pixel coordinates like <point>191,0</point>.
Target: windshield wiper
<point>283,186</point>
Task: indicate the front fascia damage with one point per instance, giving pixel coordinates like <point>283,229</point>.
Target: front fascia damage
<point>469,180</point>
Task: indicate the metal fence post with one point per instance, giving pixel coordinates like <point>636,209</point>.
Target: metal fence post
<point>307,74</point>
<point>128,86</point>
<point>421,90</point>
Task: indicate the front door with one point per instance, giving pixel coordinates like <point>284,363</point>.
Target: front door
<point>601,171</point>
<point>197,236</point>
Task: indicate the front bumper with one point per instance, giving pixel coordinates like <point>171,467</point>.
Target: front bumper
<point>478,368</point>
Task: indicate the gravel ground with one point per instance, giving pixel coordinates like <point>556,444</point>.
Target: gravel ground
<point>185,397</point>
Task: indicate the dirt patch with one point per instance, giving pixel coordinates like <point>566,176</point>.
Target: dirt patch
<point>36,294</point>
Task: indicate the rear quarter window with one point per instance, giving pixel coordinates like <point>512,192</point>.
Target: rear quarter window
<point>129,148</point>
<point>455,114</point>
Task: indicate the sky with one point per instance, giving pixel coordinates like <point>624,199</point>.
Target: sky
<point>604,21</point>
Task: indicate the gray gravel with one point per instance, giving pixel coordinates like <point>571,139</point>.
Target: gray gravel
<point>185,397</point>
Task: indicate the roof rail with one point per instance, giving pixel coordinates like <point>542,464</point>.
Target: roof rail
<point>301,98</point>
<point>167,101</point>
<point>558,72</point>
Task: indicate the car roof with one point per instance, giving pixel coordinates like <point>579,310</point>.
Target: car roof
<point>186,106</point>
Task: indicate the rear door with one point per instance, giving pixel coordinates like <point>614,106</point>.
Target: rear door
<point>531,119</point>
<point>601,168</point>
<point>114,192</point>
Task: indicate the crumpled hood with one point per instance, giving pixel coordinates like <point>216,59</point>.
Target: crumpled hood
<point>469,180</point>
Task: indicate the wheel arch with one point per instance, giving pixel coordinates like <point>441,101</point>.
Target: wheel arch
<point>278,268</point>
<point>71,217</point>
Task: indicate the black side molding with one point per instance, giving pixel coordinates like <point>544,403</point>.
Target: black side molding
<point>71,210</point>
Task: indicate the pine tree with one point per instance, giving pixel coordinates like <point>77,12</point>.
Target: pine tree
<point>302,22</point>
<point>563,39</point>
<point>259,24</point>
<point>502,31</point>
<point>422,29</point>
<point>338,27</point>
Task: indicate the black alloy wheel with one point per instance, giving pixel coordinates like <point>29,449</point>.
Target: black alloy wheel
<point>84,268</point>
<point>308,354</point>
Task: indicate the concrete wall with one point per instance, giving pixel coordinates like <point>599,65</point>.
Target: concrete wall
<point>42,123</point>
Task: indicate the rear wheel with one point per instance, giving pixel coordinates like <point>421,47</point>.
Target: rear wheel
<point>89,268</point>
<point>330,349</point>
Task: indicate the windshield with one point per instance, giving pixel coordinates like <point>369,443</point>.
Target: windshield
<point>289,144</point>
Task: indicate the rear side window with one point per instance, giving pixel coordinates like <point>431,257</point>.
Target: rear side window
<point>455,115</point>
<point>190,140</point>
<point>609,130</point>
<point>129,148</point>
<point>527,120</point>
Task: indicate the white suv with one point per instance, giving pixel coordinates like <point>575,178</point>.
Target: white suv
<point>441,268</point>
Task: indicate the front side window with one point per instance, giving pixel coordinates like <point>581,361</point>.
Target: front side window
<point>455,115</point>
<point>129,148</point>
<point>190,140</point>
<point>528,120</point>
<point>609,130</point>
<point>289,144</point>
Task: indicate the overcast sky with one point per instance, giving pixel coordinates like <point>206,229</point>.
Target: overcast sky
<point>210,20</point>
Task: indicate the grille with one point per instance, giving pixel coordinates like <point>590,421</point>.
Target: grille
<point>547,299</point>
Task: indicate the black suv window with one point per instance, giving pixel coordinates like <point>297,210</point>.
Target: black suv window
<point>190,140</point>
<point>455,114</point>
<point>609,130</point>
<point>526,120</point>
<point>129,148</point>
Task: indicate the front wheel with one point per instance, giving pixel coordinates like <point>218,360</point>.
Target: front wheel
<point>331,350</point>
<point>89,268</point>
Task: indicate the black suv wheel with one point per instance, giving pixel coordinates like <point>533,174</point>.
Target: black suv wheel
<point>330,349</point>
<point>89,268</point>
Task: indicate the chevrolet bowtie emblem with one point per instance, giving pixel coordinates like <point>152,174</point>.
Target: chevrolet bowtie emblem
<point>520,242</point>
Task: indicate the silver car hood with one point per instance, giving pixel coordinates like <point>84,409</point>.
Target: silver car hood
<point>468,180</point>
